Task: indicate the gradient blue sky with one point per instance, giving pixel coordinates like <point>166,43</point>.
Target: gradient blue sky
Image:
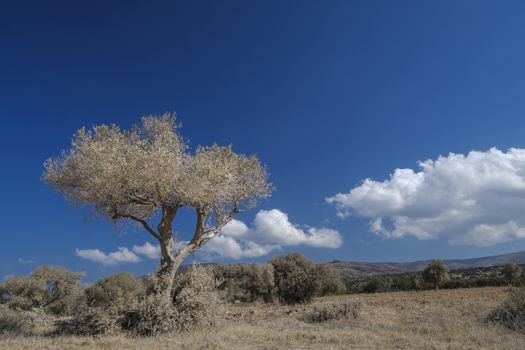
<point>326,93</point>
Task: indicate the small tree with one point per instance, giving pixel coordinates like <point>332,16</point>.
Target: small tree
<point>435,273</point>
<point>294,277</point>
<point>512,273</point>
<point>117,290</point>
<point>328,281</point>
<point>134,174</point>
<point>376,284</point>
<point>50,287</point>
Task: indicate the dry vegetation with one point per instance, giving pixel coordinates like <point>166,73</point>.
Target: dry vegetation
<point>444,319</point>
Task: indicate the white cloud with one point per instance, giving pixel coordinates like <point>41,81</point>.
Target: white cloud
<point>122,255</point>
<point>149,250</point>
<point>22,261</point>
<point>153,251</point>
<point>477,199</point>
<point>229,247</point>
<point>271,230</point>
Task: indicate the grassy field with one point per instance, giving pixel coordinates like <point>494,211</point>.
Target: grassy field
<point>445,319</point>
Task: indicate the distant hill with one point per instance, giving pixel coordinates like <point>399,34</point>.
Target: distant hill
<point>356,268</point>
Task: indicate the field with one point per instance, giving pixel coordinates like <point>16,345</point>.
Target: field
<point>445,319</point>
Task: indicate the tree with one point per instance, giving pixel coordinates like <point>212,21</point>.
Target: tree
<point>49,287</point>
<point>435,273</point>
<point>117,290</point>
<point>294,277</point>
<point>376,284</point>
<point>147,170</point>
<point>328,281</point>
<point>511,272</point>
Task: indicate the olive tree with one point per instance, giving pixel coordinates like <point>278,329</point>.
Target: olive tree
<point>295,279</point>
<point>147,170</point>
<point>52,288</point>
<point>511,272</point>
<point>435,273</point>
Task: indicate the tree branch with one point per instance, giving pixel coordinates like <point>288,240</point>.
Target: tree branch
<point>137,219</point>
<point>212,232</point>
<point>202,213</point>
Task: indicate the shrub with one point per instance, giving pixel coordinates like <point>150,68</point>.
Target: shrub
<point>196,298</point>
<point>196,302</point>
<point>328,281</point>
<point>51,287</point>
<point>435,273</point>
<point>376,284</point>
<point>4,295</point>
<point>334,311</point>
<point>511,273</point>
<point>153,315</point>
<point>404,283</point>
<point>14,321</point>
<point>261,282</point>
<point>246,283</point>
<point>294,278</point>
<point>118,290</point>
<point>511,313</point>
<point>90,321</point>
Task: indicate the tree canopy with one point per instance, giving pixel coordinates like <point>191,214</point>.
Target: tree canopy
<point>134,174</point>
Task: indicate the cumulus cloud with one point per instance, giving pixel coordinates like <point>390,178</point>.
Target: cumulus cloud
<point>271,230</point>
<point>229,247</point>
<point>149,250</point>
<point>122,255</point>
<point>475,199</point>
<point>153,251</point>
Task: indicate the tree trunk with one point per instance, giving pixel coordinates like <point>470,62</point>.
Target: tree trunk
<point>169,263</point>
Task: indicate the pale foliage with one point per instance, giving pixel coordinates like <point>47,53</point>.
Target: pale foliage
<point>195,303</point>
<point>133,172</point>
<point>329,311</point>
<point>51,287</point>
<point>435,273</point>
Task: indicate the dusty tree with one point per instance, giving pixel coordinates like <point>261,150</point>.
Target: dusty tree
<point>135,174</point>
<point>295,279</point>
<point>511,272</point>
<point>52,288</point>
<point>435,273</point>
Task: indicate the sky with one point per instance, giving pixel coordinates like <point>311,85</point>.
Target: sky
<point>392,131</point>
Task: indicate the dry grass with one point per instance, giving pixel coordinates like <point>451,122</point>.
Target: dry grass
<point>445,319</point>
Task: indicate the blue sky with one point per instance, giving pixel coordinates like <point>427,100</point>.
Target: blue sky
<point>327,94</point>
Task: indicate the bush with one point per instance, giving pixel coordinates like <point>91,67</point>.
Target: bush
<point>512,273</point>
<point>115,291</point>
<point>404,283</point>
<point>376,284</point>
<point>4,295</point>
<point>89,322</point>
<point>328,281</point>
<point>51,287</point>
<point>261,282</point>
<point>334,311</point>
<point>196,298</point>
<point>246,283</point>
<point>511,313</point>
<point>294,278</point>
<point>14,321</point>
<point>153,315</point>
<point>196,302</point>
<point>435,273</point>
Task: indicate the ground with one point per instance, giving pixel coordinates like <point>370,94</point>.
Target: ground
<point>444,319</point>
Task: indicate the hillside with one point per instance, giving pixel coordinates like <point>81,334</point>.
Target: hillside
<point>356,268</point>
